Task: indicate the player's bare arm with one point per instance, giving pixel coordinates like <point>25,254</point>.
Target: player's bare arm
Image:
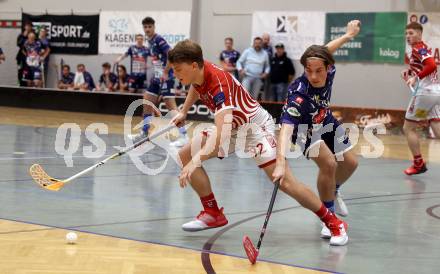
<point>283,146</point>
<point>353,28</point>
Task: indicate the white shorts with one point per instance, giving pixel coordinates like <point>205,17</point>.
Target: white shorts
<point>258,143</point>
<point>423,107</point>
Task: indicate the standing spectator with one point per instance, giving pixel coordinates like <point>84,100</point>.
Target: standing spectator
<point>34,51</point>
<point>229,57</point>
<point>21,57</point>
<point>267,46</point>
<point>42,36</point>
<point>254,66</point>
<point>83,79</point>
<point>281,73</point>
<point>67,78</point>
<point>122,82</point>
<point>108,79</point>
<point>138,64</point>
<point>2,56</point>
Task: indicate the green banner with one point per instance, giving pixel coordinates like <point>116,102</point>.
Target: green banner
<point>381,40</point>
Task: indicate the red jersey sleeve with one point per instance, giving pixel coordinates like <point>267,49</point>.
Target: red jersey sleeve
<point>222,92</point>
<point>421,51</point>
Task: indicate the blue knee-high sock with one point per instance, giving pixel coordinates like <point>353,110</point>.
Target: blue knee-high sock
<point>330,205</point>
<point>146,122</point>
<point>182,131</point>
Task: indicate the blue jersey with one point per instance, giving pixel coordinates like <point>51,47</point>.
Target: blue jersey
<point>230,57</point>
<point>159,48</point>
<point>68,79</point>
<point>139,57</point>
<point>112,78</point>
<point>306,104</point>
<point>33,53</point>
<point>89,80</point>
<point>320,96</point>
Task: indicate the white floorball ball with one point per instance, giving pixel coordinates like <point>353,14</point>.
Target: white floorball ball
<point>71,237</point>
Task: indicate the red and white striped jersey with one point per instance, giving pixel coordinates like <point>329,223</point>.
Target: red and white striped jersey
<point>415,57</point>
<point>220,91</point>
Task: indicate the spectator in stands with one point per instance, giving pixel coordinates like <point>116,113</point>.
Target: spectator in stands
<point>267,46</point>
<point>67,78</point>
<point>34,51</point>
<point>21,57</point>
<point>281,73</point>
<point>2,56</point>
<point>138,63</point>
<point>83,79</point>
<point>42,36</point>
<point>253,66</point>
<point>229,57</point>
<point>108,79</point>
<point>123,77</point>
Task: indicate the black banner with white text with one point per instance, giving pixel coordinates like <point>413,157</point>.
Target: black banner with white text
<point>68,34</point>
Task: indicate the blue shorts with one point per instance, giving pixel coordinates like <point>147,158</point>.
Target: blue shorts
<point>137,82</point>
<point>164,89</point>
<point>32,74</point>
<point>335,137</point>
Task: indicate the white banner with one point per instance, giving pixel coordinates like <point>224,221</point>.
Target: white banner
<point>296,30</point>
<point>431,30</point>
<point>117,29</point>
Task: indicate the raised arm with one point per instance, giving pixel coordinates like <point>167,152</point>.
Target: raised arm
<point>353,28</point>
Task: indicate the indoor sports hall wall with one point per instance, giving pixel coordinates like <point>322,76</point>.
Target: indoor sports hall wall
<point>357,84</point>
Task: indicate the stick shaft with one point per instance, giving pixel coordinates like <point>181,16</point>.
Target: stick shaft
<point>269,212</point>
<point>122,152</point>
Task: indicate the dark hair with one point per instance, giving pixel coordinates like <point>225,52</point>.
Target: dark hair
<point>258,38</point>
<point>27,23</point>
<point>186,51</point>
<point>320,52</point>
<point>148,21</point>
<point>123,68</point>
<point>230,39</point>
<point>66,66</point>
<point>106,65</point>
<point>414,26</point>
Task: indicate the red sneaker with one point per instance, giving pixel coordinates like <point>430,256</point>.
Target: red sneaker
<point>206,220</point>
<point>338,230</point>
<point>413,170</point>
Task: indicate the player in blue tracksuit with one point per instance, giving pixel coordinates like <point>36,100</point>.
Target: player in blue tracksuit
<point>307,121</point>
<point>162,82</point>
<point>34,51</point>
<point>138,64</point>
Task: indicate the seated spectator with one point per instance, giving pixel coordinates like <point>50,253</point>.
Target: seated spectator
<point>67,78</point>
<point>253,65</point>
<point>108,79</point>
<point>229,57</point>
<point>83,79</point>
<point>2,56</point>
<point>122,82</point>
<point>281,73</point>
<point>34,51</point>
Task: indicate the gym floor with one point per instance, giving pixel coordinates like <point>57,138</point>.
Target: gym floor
<point>129,222</point>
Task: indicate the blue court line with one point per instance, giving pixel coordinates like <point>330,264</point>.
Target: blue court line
<point>207,251</point>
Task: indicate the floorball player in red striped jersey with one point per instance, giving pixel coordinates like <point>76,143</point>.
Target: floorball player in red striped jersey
<point>235,111</point>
